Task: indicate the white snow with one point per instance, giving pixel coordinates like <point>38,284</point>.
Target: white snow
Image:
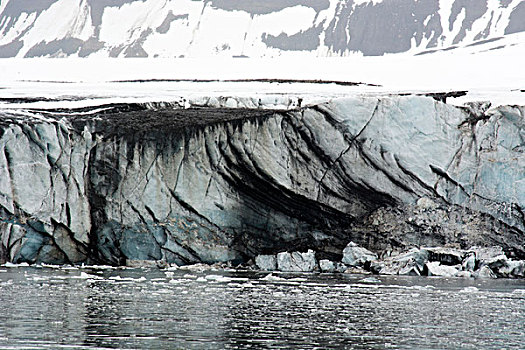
<point>207,31</point>
<point>361,2</point>
<point>74,22</point>
<point>214,37</point>
<point>125,24</point>
<point>3,4</point>
<point>290,20</point>
<point>177,40</point>
<point>445,10</point>
<point>501,16</point>
<point>23,22</point>
<point>485,72</point>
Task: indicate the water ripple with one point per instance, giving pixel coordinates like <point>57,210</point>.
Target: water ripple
<point>95,308</point>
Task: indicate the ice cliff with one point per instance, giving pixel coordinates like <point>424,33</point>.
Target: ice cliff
<point>112,183</point>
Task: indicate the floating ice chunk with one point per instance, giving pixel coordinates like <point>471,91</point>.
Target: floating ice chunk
<point>213,277</point>
<point>370,280</point>
<point>353,255</point>
<point>8,264</point>
<point>297,261</point>
<point>196,267</point>
<point>435,268</point>
<point>98,267</point>
<point>271,277</point>
<point>266,262</point>
<point>85,276</point>
<point>297,279</point>
<point>469,290</point>
<point>218,278</point>
<point>38,278</point>
<point>129,279</point>
<point>51,266</point>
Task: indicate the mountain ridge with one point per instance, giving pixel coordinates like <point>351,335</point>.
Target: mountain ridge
<point>188,28</point>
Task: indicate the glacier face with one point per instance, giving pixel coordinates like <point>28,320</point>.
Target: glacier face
<point>210,184</point>
<point>187,28</point>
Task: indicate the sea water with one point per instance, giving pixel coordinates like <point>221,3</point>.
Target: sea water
<point>106,308</point>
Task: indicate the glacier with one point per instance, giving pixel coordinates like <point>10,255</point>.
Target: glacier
<point>219,180</point>
<point>203,155</point>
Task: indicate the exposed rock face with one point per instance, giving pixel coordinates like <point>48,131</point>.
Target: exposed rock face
<point>211,185</point>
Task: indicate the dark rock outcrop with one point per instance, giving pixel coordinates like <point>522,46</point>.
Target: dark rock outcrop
<point>158,182</point>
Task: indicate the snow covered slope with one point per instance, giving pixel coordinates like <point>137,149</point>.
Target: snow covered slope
<point>252,28</point>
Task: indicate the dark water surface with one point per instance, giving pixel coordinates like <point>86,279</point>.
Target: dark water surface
<point>95,308</point>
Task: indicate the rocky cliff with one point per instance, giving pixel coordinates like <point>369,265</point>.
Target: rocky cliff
<point>113,183</point>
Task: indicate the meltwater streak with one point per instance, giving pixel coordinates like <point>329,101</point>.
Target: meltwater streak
<point>140,308</point>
